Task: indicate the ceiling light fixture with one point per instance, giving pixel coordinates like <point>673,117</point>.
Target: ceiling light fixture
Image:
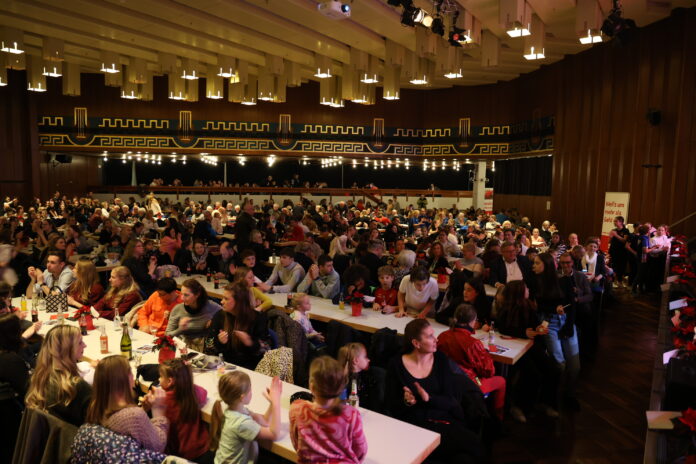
<point>516,17</point>
<point>111,63</point>
<point>11,40</point>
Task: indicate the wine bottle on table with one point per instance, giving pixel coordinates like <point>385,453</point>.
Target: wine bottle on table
<point>126,345</point>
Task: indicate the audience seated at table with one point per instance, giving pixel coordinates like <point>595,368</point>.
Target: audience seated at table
<point>56,385</point>
<point>436,389</point>
<point>460,345</point>
<point>321,279</point>
<point>258,300</point>
<point>238,332</point>
<point>57,274</point>
<point>424,389</point>
<point>153,316</point>
<point>85,289</point>
<point>113,406</point>
<point>190,318</point>
<point>123,293</point>
<point>418,293</point>
<point>141,267</point>
<point>286,275</point>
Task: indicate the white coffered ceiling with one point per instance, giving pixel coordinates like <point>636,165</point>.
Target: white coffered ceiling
<point>292,29</point>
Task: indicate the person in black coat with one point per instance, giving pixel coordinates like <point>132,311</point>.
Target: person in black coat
<point>244,225</point>
<point>433,401</point>
<point>372,260</point>
<point>142,269</point>
<point>499,266</point>
<point>238,332</point>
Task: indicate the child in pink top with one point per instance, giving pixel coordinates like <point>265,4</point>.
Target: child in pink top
<point>326,430</point>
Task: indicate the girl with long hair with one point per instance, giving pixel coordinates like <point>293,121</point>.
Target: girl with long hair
<point>234,432</point>
<point>326,430</point>
<point>85,289</point>
<point>188,434</point>
<point>122,295</point>
<point>259,300</point>
<point>56,385</point>
<point>238,332</point>
<point>113,405</point>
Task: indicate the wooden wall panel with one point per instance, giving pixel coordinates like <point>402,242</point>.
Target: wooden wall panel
<point>603,138</point>
<point>19,156</point>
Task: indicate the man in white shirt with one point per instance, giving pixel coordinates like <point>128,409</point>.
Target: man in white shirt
<point>418,291</point>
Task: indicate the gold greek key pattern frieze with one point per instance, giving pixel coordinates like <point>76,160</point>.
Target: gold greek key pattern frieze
<point>407,149</point>
<point>51,121</point>
<point>127,141</point>
<point>491,148</point>
<point>332,130</point>
<point>130,123</point>
<point>495,130</point>
<point>332,147</point>
<point>235,126</point>
<point>53,139</point>
<point>423,133</point>
<point>234,144</point>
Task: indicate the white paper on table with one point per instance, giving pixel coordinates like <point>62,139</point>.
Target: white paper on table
<point>661,420</point>
<point>86,371</point>
<point>667,355</point>
<point>672,278</point>
<point>676,304</point>
<point>369,299</point>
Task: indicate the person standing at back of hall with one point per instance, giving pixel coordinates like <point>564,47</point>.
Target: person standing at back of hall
<point>244,225</point>
<point>617,249</point>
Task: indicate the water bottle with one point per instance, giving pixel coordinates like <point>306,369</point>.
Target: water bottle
<point>491,335</point>
<point>353,398</point>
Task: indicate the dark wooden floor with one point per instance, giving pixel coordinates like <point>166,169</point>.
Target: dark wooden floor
<point>613,391</point>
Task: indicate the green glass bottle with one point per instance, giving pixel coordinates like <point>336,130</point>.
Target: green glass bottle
<point>126,346</point>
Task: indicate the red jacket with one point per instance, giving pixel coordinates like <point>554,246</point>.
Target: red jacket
<point>107,310</point>
<point>468,352</point>
<point>186,439</point>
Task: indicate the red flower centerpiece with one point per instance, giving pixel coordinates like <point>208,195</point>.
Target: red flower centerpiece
<point>166,346</point>
<point>89,320</point>
<point>356,303</point>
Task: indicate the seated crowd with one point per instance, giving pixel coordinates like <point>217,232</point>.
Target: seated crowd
<point>393,259</point>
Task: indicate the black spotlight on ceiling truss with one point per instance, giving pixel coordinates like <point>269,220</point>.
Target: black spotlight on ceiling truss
<point>438,26</point>
<point>615,25</point>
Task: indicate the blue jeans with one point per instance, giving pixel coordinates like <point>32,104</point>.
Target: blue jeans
<point>565,352</point>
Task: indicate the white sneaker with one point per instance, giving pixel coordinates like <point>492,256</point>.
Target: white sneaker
<point>518,415</point>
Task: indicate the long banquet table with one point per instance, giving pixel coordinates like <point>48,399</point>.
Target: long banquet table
<point>403,443</point>
<point>371,321</point>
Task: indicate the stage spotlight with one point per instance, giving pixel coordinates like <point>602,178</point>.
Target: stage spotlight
<point>617,26</point>
<point>438,27</point>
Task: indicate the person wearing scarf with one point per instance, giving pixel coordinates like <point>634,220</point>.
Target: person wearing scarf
<point>190,318</point>
<point>196,259</point>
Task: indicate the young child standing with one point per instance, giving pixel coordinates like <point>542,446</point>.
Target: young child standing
<point>188,434</point>
<point>301,305</point>
<point>235,432</point>
<point>385,295</point>
<point>326,430</point>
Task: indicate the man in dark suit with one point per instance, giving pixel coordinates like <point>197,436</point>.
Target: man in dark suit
<point>373,260</point>
<point>510,266</point>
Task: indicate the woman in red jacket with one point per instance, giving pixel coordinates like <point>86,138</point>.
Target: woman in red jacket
<point>86,289</point>
<point>122,295</point>
<point>460,345</point>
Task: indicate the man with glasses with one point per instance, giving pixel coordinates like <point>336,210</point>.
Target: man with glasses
<point>509,267</point>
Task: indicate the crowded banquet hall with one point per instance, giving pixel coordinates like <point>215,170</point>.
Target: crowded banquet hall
<point>357,231</point>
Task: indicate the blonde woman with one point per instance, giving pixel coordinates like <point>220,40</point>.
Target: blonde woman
<point>56,385</point>
<point>122,295</point>
<point>85,289</point>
